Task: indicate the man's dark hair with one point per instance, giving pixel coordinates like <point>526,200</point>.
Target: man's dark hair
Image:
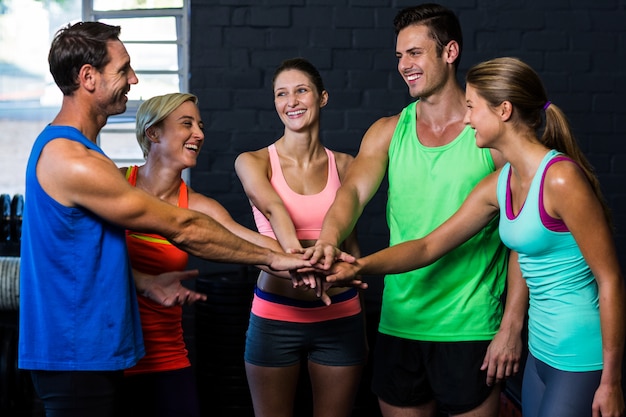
<point>442,23</point>
<point>76,45</point>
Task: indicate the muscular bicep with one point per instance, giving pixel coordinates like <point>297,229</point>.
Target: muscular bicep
<point>366,172</point>
<point>79,177</point>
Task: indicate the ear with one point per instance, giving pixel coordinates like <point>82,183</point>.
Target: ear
<point>505,110</point>
<point>324,98</point>
<point>86,77</point>
<point>451,52</point>
<point>151,133</point>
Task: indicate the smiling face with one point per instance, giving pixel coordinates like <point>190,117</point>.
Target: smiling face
<point>115,79</point>
<point>297,100</point>
<point>482,118</point>
<point>179,137</point>
<point>424,72</point>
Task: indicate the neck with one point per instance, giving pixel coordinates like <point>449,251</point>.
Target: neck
<point>159,180</point>
<point>301,147</point>
<point>524,153</point>
<point>444,108</point>
<point>74,114</point>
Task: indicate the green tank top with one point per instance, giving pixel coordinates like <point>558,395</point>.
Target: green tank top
<point>458,298</point>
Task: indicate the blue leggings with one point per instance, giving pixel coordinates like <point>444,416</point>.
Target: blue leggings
<point>549,392</point>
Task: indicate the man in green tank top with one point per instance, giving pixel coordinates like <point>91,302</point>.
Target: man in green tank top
<point>444,343</point>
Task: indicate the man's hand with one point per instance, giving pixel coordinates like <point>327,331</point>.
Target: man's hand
<point>287,261</point>
<point>166,289</point>
<point>502,359</point>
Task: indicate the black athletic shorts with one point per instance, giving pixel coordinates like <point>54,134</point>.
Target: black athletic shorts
<point>411,373</point>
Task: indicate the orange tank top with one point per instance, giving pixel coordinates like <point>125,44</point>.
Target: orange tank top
<point>161,326</point>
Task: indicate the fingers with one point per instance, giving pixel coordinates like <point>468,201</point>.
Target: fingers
<point>325,299</point>
<point>322,255</point>
<point>345,257</point>
<point>498,369</point>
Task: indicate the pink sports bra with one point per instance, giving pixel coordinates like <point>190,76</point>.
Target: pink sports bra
<point>306,211</point>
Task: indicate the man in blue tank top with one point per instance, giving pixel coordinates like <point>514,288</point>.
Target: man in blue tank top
<point>79,320</point>
<point>444,343</point>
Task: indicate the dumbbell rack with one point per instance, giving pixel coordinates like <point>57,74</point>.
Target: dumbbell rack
<point>16,393</point>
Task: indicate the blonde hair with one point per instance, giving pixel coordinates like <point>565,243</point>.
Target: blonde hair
<point>153,111</point>
<point>510,79</point>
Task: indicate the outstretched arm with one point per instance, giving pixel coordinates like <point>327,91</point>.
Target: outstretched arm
<point>215,210</point>
<point>361,182</point>
<point>475,213</point>
<point>90,180</point>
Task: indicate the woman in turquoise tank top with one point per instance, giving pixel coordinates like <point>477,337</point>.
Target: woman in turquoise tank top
<point>553,215</point>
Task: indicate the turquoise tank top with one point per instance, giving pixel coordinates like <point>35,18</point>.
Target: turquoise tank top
<point>564,318</point>
<point>458,298</point>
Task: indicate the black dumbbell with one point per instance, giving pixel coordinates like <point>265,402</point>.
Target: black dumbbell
<point>5,218</point>
<point>17,211</point>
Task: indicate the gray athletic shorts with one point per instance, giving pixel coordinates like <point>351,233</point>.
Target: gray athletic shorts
<point>338,342</point>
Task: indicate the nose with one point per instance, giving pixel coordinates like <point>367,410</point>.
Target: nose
<point>292,100</point>
<point>132,77</point>
<point>403,63</point>
<point>199,133</point>
<point>466,118</point>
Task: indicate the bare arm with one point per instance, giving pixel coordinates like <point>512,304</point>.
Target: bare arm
<point>88,179</point>
<point>569,196</point>
<point>253,172</point>
<point>504,352</point>
<point>475,213</point>
<point>215,210</point>
<point>360,184</point>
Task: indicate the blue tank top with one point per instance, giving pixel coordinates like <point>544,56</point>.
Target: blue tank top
<point>78,305</point>
<point>564,318</point>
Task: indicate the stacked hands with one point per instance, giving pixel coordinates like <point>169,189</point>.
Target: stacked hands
<point>329,266</point>
<point>324,266</point>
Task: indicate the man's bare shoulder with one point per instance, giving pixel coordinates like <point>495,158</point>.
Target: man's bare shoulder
<point>386,124</point>
<point>380,133</point>
<point>67,169</point>
<point>66,155</point>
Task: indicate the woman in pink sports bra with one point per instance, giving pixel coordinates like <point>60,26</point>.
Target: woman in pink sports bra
<point>291,184</point>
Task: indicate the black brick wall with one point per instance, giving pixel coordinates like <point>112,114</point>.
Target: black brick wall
<point>577,46</point>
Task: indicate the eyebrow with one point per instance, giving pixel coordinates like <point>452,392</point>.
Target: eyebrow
<point>297,85</point>
<point>408,51</point>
